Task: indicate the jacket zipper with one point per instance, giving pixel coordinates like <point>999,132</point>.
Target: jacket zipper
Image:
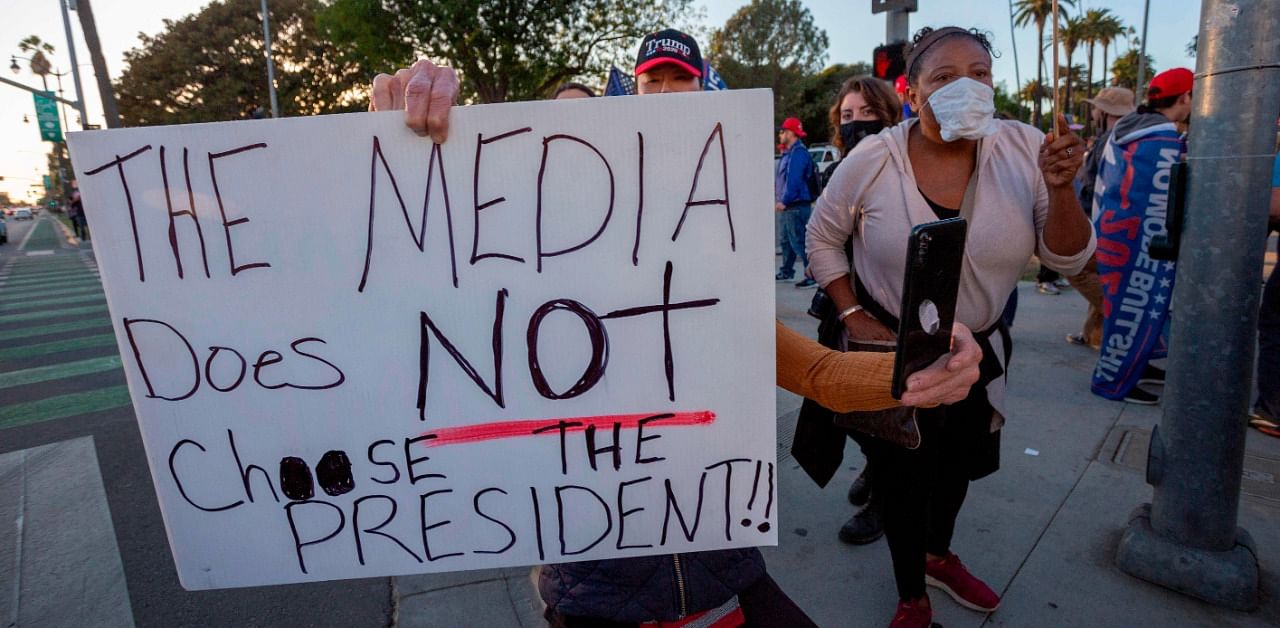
<point>684,603</point>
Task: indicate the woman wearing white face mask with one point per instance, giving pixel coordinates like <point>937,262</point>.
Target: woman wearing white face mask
<point>1013,184</point>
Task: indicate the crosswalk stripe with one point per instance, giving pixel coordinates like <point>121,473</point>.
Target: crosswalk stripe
<point>63,406</point>
<point>34,263</point>
<point>49,283</point>
<point>47,262</point>
<point>31,316</point>
<point>56,301</point>
<point>56,328</point>
<point>59,371</point>
<point>6,295</point>
<point>38,286</point>
<point>57,346</point>
<point>25,304</point>
<point>53,274</point>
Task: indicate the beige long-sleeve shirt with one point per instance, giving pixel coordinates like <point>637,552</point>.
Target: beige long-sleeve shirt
<point>874,197</point>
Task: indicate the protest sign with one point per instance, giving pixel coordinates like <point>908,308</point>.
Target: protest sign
<point>355,353</point>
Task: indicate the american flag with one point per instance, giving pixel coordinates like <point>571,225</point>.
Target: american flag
<point>620,84</point>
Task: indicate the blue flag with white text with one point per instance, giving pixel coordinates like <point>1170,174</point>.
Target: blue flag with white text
<point>711,80</point>
<point>1131,200</point>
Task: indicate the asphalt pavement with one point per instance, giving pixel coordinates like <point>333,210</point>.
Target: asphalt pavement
<point>82,542</point>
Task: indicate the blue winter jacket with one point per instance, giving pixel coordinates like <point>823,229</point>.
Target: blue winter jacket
<point>790,181</point>
<point>650,588</point>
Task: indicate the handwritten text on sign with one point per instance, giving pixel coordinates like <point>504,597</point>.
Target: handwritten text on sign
<point>356,353</point>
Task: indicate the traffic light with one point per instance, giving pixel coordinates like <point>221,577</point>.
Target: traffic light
<point>889,62</point>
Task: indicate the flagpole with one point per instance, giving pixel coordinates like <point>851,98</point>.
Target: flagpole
<point>1057,104</point>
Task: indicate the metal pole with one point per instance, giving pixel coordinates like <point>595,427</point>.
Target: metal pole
<point>1141,88</point>
<point>1187,538</point>
<point>35,91</point>
<point>75,68</point>
<point>897,26</point>
<point>271,65</point>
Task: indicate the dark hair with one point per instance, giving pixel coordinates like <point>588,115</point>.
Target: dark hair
<point>1154,105</point>
<point>578,86</point>
<point>879,96</point>
<point>926,37</point>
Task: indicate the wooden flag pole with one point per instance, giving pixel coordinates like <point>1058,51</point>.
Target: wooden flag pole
<point>1057,105</point>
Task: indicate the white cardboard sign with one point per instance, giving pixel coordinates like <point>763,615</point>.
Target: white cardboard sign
<point>355,353</point>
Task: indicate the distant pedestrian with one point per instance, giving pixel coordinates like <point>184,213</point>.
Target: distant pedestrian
<point>1111,104</point>
<point>863,107</point>
<point>1131,192</point>
<point>75,212</point>
<point>1266,410</point>
<point>793,199</point>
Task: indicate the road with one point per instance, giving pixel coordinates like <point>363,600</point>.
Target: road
<point>88,546</point>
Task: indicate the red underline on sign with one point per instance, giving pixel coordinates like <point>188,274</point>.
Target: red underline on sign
<point>542,427</point>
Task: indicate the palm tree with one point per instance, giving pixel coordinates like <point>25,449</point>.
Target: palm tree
<point>1072,35</point>
<point>1037,12</point>
<point>1110,31</point>
<point>1093,20</point>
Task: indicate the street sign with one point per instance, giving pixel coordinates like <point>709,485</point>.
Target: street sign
<point>48,182</point>
<point>881,6</point>
<point>47,117</point>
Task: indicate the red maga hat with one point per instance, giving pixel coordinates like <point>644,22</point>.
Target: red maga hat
<point>1175,82</point>
<point>793,125</point>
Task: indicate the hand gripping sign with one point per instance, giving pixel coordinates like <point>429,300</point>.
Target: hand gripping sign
<point>356,353</point>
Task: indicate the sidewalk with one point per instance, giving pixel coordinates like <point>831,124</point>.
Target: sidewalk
<point>1042,531</point>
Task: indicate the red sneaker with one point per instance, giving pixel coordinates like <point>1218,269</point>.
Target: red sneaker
<point>950,575</point>
<point>913,614</point>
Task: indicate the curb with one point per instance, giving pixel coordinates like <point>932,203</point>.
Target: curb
<point>66,231</point>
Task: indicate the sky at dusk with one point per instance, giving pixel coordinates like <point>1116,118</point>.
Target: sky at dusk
<point>852,30</point>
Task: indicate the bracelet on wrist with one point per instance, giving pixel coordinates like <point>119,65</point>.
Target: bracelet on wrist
<point>848,312</point>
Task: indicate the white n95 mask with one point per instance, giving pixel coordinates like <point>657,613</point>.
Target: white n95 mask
<point>964,108</point>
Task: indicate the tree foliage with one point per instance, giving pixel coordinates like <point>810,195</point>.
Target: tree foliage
<point>774,44</point>
<point>1124,72</point>
<point>814,96</point>
<point>508,49</point>
<point>1039,12</point>
<point>211,66</point>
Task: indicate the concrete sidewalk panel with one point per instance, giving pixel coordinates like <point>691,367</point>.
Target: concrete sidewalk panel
<point>59,565</point>
<point>1070,579</point>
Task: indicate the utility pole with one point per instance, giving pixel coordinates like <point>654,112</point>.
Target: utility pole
<point>271,64</point>
<point>1140,89</point>
<point>1186,539</point>
<point>897,24</point>
<point>1017,74</point>
<point>75,67</point>
<point>90,30</point>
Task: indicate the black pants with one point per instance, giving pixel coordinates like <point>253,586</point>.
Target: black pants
<point>922,490</point>
<point>764,605</point>
<point>1047,275</point>
<point>1269,348</point>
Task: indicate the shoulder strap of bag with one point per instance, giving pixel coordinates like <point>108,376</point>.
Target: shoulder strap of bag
<point>971,190</point>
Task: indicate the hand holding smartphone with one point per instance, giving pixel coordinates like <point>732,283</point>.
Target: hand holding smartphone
<point>935,255</point>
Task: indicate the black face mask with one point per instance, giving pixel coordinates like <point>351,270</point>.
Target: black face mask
<point>853,132</point>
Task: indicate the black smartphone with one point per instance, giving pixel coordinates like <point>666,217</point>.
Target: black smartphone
<point>935,255</point>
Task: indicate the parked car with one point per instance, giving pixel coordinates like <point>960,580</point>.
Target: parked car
<point>826,157</point>
<point>4,231</point>
<point>22,213</point>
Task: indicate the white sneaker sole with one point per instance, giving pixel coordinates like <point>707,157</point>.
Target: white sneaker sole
<point>934,582</point>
